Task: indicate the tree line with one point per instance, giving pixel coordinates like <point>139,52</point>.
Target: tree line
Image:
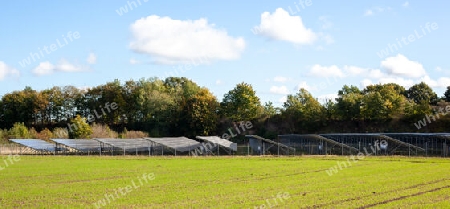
<point>177,106</point>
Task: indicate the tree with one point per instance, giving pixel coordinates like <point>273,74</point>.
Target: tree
<point>201,113</point>
<point>330,109</point>
<point>157,107</point>
<point>373,106</point>
<point>179,90</point>
<point>447,94</point>
<point>303,109</point>
<point>391,86</point>
<point>241,103</point>
<point>269,110</point>
<point>421,92</point>
<point>383,101</point>
<point>98,97</point>
<point>79,128</point>
<point>348,103</point>
<point>20,106</point>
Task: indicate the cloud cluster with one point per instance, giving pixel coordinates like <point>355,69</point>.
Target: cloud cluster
<point>6,71</point>
<point>47,68</point>
<point>170,41</point>
<point>326,71</point>
<point>402,66</point>
<point>280,25</point>
<point>279,90</point>
<point>397,69</point>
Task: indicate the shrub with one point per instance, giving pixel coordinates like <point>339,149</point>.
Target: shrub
<point>79,128</point>
<point>3,136</point>
<point>45,134</point>
<point>33,133</point>
<point>133,134</point>
<point>60,133</point>
<point>102,131</point>
<point>19,131</point>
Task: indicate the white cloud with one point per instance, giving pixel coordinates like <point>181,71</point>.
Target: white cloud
<point>368,12</point>
<point>402,66</point>
<point>442,71</point>
<point>134,61</point>
<point>388,79</point>
<point>324,71</point>
<point>44,68</point>
<point>280,79</point>
<point>219,82</point>
<point>92,58</point>
<point>47,68</point>
<point>283,99</point>
<point>374,10</point>
<point>282,26</point>
<point>406,4</point>
<point>354,70</point>
<point>398,80</point>
<point>303,85</point>
<point>326,24</point>
<point>364,83</point>
<point>327,38</point>
<point>83,88</point>
<point>65,66</point>
<point>279,90</point>
<point>170,41</point>
<point>5,71</point>
<point>376,73</point>
<point>441,82</point>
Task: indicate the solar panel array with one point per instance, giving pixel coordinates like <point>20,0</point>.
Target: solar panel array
<point>127,144</point>
<point>181,144</point>
<point>219,141</point>
<point>80,144</point>
<point>36,144</point>
<point>270,141</point>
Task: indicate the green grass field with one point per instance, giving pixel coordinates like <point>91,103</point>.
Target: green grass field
<point>223,182</point>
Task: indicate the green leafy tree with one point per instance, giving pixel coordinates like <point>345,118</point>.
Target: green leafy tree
<point>382,102</point>
<point>179,90</point>
<point>79,128</point>
<point>330,109</point>
<point>447,94</point>
<point>373,106</point>
<point>415,112</point>
<point>348,103</point>
<point>270,110</point>
<point>421,92</point>
<point>241,103</point>
<point>20,106</point>
<point>304,110</point>
<point>201,113</point>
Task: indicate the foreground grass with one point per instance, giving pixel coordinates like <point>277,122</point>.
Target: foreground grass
<point>225,182</point>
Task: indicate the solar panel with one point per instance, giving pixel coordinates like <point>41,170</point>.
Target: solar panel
<point>181,144</point>
<point>36,144</point>
<point>80,144</point>
<point>219,141</point>
<point>128,144</point>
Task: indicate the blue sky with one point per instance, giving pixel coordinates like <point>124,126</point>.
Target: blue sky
<point>277,46</point>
